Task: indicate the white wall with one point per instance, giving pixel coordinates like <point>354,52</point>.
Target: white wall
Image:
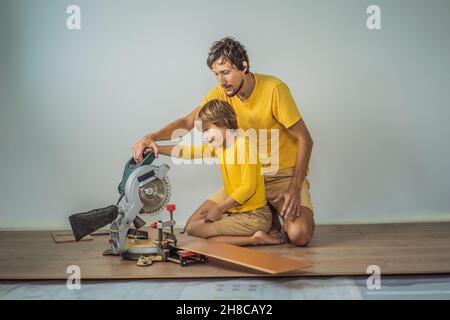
<point>74,102</point>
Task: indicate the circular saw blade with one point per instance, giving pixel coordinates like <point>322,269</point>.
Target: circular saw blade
<point>155,195</point>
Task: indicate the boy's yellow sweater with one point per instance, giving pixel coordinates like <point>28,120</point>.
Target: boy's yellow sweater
<point>241,171</point>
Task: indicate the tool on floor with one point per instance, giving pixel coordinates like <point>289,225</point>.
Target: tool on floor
<point>167,243</point>
<point>144,261</point>
<point>144,189</point>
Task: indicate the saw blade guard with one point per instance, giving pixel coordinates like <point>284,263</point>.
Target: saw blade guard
<point>155,195</point>
<point>131,166</point>
<point>147,187</point>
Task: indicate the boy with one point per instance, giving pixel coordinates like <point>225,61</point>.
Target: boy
<point>243,217</point>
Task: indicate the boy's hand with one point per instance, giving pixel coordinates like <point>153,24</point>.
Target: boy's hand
<point>213,214</point>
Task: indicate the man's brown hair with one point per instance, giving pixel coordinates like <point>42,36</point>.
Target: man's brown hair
<point>219,113</point>
<point>229,50</point>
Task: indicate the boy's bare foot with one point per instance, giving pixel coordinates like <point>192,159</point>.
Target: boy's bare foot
<point>260,237</point>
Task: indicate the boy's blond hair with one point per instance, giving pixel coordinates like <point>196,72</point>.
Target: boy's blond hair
<point>219,113</point>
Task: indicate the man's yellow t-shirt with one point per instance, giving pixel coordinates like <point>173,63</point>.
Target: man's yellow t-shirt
<point>241,171</point>
<point>270,106</point>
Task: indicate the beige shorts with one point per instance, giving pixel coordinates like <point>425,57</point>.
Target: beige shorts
<point>277,183</point>
<point>274,185</point>
<point>244,223</point>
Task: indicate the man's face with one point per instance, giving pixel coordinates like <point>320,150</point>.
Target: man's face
<point>229,76</point>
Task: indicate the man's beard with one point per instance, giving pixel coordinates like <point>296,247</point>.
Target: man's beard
<point>235,92</point>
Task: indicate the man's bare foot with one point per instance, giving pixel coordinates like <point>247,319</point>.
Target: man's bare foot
<point>260,237</point>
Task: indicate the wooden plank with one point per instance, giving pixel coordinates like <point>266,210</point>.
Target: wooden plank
<point>254,259</point>
<point>67,236</point>
<point>61,237</point>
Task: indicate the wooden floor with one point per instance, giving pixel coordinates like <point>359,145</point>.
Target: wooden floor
<point>416,248</point>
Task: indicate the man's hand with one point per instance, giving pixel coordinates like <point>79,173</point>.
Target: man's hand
<point>291,207</point>
<point>213,214</point>
<point>147,142</point>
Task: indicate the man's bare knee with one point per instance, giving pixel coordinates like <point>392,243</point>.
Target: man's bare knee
<point>301,234</point>
<point>300,238</point>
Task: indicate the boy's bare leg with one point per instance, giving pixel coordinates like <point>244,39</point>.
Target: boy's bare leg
<point>258,238</point>
<point>207,230</point>
<point>200,213</point>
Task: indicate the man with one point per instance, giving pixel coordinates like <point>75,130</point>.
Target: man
<point>260,102</point>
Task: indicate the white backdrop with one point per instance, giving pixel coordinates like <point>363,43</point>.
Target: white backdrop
<point>74,102</point>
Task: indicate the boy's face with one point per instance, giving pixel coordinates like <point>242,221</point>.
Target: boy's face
<point>214,134</point>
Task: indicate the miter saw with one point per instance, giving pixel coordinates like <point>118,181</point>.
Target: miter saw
<point>144,189</point>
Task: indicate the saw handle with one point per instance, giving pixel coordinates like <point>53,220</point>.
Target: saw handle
<point>148,159</point>
<point>131,165</point>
